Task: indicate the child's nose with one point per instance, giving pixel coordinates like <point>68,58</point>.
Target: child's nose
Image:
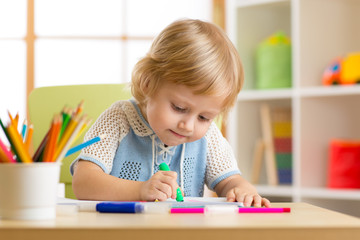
<point>187,124</point>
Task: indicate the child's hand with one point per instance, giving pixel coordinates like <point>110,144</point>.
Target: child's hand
<point>236,188</point>
<point>248,198</point>
<point>162,185</point>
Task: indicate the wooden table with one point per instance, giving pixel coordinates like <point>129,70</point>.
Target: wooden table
<point>304,222</point>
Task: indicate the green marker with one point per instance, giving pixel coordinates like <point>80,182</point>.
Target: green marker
<point>179,197</point>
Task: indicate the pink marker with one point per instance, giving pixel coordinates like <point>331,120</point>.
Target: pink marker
<point>228,210</point>
<point>187,210</point>
<point>264,210</point>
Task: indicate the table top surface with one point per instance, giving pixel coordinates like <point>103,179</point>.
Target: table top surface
<point>305,221</point>
<point>302,215</point>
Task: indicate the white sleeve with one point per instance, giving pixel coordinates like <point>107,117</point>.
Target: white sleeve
<point>221,162</point>
<point>113,124</point>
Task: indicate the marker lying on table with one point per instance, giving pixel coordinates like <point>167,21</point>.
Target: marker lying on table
<point>229,210</point>
<point>264,210</point>
<point>179,197</point>
<point>120,207</point>
<point>162,207</point>
<point>133,207</point>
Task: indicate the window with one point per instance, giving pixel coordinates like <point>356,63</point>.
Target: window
<point>61,42</point>
<point>12,56</point>
<point>99,41</point>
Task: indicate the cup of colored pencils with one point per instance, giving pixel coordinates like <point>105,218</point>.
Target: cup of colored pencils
<point>28,182</point>
<point>65,128</point>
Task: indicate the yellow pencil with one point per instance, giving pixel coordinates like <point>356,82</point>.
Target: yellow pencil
<point>18,144</point>
<point>71,139</point>
<point>17,120</point>
<point>29,137</point>
<point>12,120</point>
<point>65,137</point>
<point>84,127</point>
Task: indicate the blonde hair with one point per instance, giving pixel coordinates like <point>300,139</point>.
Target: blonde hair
<point>194,53</point>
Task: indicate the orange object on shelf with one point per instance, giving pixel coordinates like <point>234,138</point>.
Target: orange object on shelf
<point>343,70</point>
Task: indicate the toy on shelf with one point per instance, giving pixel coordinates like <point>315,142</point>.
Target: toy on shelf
<point>273,62</point>
<point>343,70</point>
<point>282,129</point>
<point>344,164</point>
<point>275,146</point>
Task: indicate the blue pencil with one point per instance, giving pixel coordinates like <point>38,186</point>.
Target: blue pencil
<point>84,145</point>
<point>24,128</point>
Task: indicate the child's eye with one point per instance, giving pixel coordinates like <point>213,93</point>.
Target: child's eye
<point>204,119</point>
<point>177,108</point>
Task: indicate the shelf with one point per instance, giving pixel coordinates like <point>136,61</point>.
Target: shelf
<point>320,91</point>
<point>247,95</point>
<point>327,193</point>
<point>324,91</point>
<point>248,3</point>
<point>319,113</point>
<point>277,191</point>
<point>318,193</point>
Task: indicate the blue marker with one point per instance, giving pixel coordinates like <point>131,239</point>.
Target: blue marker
<point>120,207</point>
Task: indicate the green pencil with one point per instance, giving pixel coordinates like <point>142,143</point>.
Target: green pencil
<point>66,119</point>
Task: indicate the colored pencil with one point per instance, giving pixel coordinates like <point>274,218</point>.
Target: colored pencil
<point>16,120</point>
<point>11,117</point>
<point>64,129</point>
<point>47,147</point>
<point>24,129</point>
<point>7,155</point>
<point>18,144</point>
<point>71,139</point>
<point>86,124</point>
<point>53,142</point>
<point>9,139</point>
<point>65,138</point>
<point>85,144</point>
<point>50,147</point>
<point>41,147</point>
<point>29,136</point>
<point>79,108</point>
<point>66,115</point>
<point>3,157</point>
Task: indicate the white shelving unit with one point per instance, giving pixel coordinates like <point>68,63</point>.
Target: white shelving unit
<point>320,30</point>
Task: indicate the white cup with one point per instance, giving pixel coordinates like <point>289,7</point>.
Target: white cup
<point>28,191</point>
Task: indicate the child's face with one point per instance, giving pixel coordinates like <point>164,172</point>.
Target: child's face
<point>178,116</point>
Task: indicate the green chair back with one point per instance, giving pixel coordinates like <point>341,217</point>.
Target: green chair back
<point>44,102</point>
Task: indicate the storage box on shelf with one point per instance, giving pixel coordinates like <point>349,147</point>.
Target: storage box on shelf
<point>319,113</point>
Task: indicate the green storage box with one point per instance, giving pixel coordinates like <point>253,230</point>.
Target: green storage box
<point>273,62</point>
